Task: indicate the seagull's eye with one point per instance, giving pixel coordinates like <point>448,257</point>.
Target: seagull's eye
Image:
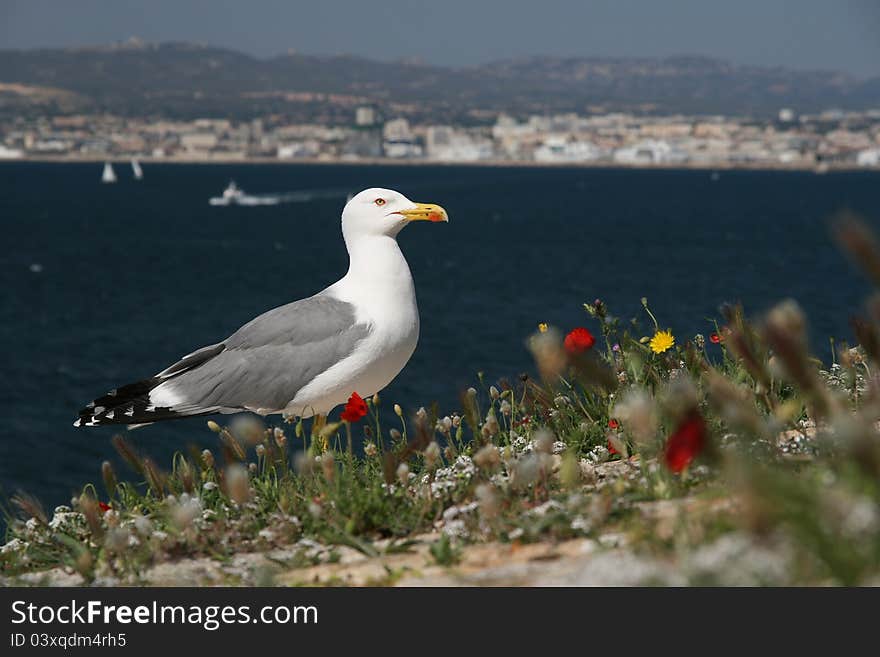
<point>379,201</point>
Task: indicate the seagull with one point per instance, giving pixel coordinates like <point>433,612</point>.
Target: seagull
<point>307,357</point>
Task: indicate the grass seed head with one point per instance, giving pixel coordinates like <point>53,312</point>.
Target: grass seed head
<point>490,427</point>
<point>543,440</point>
<point>303,463</point>
<point>549,355</point>
<point>248,429</point>
<point>237,484</point>
<point>636,412</point>
<point>92,513</point>
<point>432,455</point>
<point>488,500</point>
<point>109,477</point>
<point>328,465</point>
<point>487,458</point>
<point>154,477</point>
<point>128,453</point>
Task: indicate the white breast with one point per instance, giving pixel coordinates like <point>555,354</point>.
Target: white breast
<point>382,291</point>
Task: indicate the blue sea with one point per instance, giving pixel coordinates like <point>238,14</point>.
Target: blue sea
<point>107,284</point>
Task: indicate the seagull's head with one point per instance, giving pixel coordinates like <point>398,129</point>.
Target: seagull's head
<point>378,211</point>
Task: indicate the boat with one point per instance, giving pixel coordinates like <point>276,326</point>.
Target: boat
<point>235,195</point>
<point>232,195</point>
<point>108,176</point>
<point>136,170</point>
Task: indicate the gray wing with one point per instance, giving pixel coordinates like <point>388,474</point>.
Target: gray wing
<point>269,359</point>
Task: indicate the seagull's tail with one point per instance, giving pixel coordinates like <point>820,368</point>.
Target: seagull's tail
<point>143,402</point>
<point>131,405</point>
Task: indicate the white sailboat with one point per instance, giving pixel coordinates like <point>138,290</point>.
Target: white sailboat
<point>136,170</point>
<point>108,176</point>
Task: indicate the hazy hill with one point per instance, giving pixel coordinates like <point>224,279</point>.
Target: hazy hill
<point>185,80</point>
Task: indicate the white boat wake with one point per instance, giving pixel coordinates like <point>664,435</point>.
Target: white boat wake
<point>235,195</point>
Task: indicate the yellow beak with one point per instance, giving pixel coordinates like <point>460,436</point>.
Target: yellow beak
<point>425,212</point>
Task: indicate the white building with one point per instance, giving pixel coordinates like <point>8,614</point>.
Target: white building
<point>365,116</point>
<point>10,153</point>
<point>397,130</point>
<point>561,149</point>
<point>448,144</point>
<point>305,149</point>
<point>399,140</point>
<point>868,158</point>
<point>650,151</point>
<point>198,141</point>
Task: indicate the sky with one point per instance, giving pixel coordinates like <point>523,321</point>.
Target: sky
<point>841,35</point>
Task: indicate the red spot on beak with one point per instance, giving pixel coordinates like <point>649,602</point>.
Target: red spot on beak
<point>435,216</point>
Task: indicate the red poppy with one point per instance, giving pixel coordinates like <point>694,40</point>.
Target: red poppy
<point>611,449</point>
<point>686,443</point>
<point>103,506</point>
<point>613,424</point>
<point>715,338</point>
<point>578,341</point>
<point>355,409</point>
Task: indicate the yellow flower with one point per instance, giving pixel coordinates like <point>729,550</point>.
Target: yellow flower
<point>542,327</point>
<point>662,341</point>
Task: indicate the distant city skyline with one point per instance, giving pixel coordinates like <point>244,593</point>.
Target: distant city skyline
<point>806,34</point>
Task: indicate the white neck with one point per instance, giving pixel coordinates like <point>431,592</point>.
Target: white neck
<point>378,274</point>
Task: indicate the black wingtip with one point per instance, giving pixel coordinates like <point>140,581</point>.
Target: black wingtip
<point>126,405</point>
